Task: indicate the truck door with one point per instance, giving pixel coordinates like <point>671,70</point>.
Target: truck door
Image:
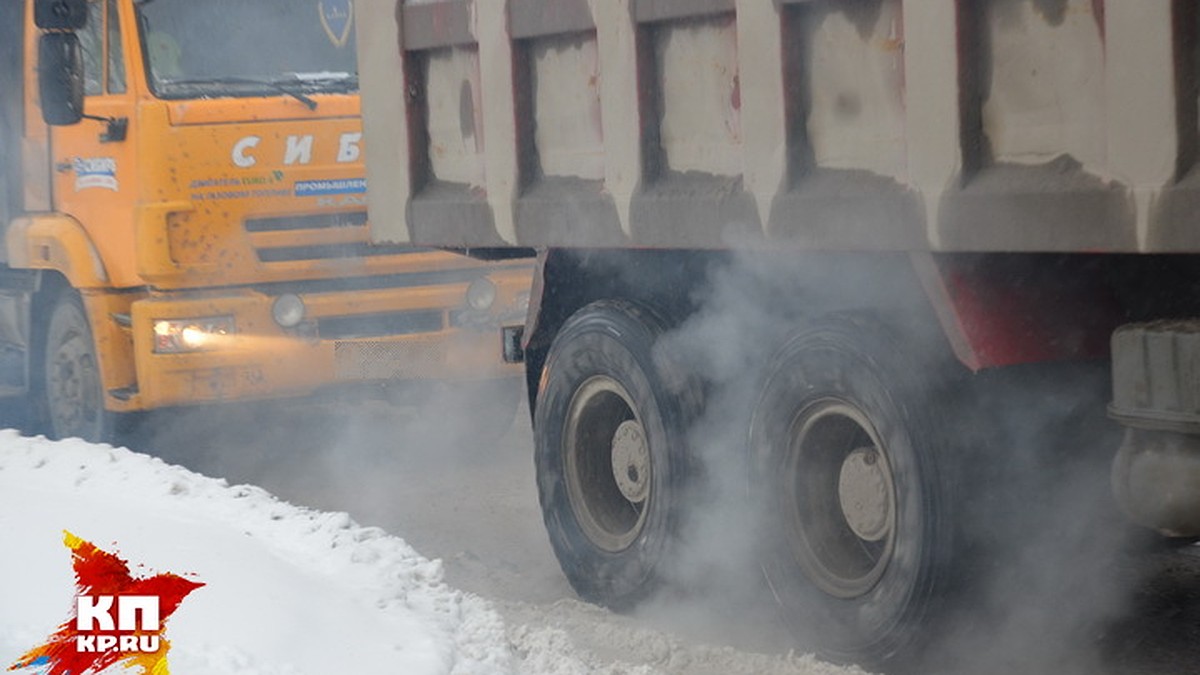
<point>94,171</point>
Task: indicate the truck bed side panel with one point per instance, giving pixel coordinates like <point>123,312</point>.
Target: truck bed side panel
<point>1001,125</point>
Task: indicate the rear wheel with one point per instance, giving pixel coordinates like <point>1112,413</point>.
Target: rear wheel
<point>611,452</point>
<point>72,394</point>
<point>858,540</point>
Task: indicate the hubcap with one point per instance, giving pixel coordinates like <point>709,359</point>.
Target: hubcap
<point>607,464</point>
<point>863,493</point>
<point>631,461</point>
<point>839,498</point>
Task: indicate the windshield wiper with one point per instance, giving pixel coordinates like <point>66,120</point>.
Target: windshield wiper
<point>342,80</point>
<point>278,85</point>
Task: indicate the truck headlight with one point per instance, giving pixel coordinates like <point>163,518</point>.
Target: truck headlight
<point>176,336</point>
<point>481,294</point>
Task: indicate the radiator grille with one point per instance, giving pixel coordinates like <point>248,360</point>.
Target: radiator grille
<point>379,325</point>
<point>318,222</point>
<point>375,360</point>
<point>331,236</point>
<point>361,249</point>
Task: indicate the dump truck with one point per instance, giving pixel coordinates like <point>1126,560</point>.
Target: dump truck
<point>875,209</point>
<point>184,211</point>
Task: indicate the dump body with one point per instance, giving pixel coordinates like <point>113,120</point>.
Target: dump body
<point>218,168</point>
<point>886,125</point>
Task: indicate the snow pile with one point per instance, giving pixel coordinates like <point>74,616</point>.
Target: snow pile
<point>288,590</point>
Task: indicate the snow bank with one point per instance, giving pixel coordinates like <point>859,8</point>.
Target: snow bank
<point>287,590</point>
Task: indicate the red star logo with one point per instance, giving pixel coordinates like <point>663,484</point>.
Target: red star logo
<point>70,651</point>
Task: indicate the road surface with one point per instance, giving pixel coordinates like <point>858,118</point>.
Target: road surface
<point>472,503</point>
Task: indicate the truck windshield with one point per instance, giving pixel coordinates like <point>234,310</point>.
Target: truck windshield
<point>248,47</point>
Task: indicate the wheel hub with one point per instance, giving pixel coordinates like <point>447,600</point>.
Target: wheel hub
<point>631,461</point>
<point>839,491</point>
<point>607,464</point>
<point>863,494</point>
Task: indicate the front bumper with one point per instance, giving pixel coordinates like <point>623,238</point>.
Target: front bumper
<point>374,335</point>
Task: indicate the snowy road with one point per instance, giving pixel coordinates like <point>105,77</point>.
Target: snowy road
<point>475,508</point>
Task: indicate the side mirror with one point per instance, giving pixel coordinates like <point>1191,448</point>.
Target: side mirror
<point>60,78</point>
<point>60,14</point>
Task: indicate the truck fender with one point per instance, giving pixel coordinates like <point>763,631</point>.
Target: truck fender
<point>55,242</point>
<point>1007,309</point>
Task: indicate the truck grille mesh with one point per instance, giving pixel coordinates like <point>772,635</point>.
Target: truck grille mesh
<point>377,360</point>
<point>379,325</point>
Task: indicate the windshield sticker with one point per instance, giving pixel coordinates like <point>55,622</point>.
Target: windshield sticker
<point>95,172</point>
<point>317,188</point>
<point>337,18</point>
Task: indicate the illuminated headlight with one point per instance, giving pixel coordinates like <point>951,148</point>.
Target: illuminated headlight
<point>288,310</point>
<point>175,336</point>
<point>481,294</point>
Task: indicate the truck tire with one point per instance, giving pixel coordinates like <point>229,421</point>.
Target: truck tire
<point>846,454</point>
<point>72,393</point>
<point>611,452</point>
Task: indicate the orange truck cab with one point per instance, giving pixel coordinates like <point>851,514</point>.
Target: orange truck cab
<point>183,200</point>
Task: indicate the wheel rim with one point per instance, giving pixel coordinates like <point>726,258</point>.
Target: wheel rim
<point>607,464</point>
<point>72,385</point>
<point>839,498</point>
